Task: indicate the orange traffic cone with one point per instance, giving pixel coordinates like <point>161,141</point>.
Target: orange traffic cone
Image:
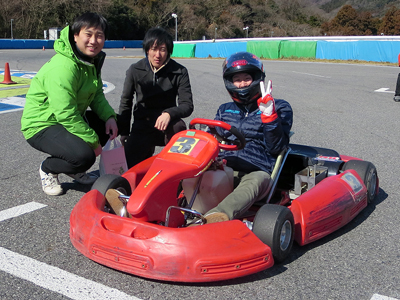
<point>7,75</point>
<point>43,48</point>
<point>124,48</point>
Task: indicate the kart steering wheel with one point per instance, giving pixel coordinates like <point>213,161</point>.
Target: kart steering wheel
<point>238,143</point>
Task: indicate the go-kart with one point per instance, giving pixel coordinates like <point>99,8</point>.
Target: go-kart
<point>150,221</point>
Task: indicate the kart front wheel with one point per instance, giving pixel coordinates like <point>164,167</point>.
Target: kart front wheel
<point>118,187</point>
<point>274,226</point>
<point>111,181</point>
<point>367,171</point>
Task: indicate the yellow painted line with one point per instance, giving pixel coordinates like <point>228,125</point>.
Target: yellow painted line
<point>10,90</point>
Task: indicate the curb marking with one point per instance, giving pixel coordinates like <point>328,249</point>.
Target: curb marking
<point>15,94</point>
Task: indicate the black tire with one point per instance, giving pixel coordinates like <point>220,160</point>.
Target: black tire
<point>274,226</point>
<point>367,171</point>
<point>110,181</point>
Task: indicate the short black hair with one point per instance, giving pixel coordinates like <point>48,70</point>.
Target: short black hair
<point>89,19</point>
<point>158,36</point>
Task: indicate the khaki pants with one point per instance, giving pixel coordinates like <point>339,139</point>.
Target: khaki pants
<point>251,188</point>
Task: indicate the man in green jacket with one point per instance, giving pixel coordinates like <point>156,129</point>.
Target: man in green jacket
<point>55,118</point>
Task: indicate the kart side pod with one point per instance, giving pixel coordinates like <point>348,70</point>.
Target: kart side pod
<point>328,206</point>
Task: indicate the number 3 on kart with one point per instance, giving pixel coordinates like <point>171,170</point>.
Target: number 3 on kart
<point>184,145</point>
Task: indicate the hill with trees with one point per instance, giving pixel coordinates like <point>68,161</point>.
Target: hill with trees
<point>198,19</point>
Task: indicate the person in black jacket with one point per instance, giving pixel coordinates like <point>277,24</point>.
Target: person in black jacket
<point>396,97</point>
<point>265,123</point>
<point>158,83</point>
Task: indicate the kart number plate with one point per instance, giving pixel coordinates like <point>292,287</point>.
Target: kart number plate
<point>184,145</point>
<point>353,182</point>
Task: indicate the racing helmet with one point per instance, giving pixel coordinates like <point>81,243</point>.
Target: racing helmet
<point>248,63</point>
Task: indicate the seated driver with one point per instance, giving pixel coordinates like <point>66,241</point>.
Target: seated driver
<point>264,121</point>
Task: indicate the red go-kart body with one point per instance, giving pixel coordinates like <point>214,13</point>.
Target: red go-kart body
<point>151,238</point>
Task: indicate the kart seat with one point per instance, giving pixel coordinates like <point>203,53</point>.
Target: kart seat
<point>276,171</point>
<point>274,175</point>
<point>272,183</point>
<point>280,160</point>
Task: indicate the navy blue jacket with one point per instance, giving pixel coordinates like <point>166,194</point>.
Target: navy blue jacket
<point>264,141</point>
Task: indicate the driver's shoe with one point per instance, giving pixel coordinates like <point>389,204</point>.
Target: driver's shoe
<point>216,217</point>
<point>211,218</point>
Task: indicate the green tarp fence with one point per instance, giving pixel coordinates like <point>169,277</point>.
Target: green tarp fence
<point>298,49</point>
<point>184,50</point>
<point>264,49</point>
<point>279,49</point>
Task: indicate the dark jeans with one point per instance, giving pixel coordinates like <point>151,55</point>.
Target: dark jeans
<point>144,138</point>
<point>69,153</point>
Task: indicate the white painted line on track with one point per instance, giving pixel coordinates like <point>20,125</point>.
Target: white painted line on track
<point>18,101</point>
<point>20,210</point>
<point>57,280</point>
<point>384,90</point>
<point>49,277</point>
<point>380,297</point>
<point>315,75</point>
<point>108,87</point>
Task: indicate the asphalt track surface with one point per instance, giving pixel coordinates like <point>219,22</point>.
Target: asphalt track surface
<point>345,107</point>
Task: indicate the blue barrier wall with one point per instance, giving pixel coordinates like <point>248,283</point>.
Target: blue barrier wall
<point>221,49</point>
<point>335,49</point>
<point>379,51</point>
<point>122,44</point>
<point>383,51</point>
<point>26,44</point>
<point>48,44</point>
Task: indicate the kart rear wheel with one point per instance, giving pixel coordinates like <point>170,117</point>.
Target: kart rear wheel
<point>274,226</point>
<point>111,181</point>
<point>367,171</point>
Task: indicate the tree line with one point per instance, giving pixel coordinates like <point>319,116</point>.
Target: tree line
<point>196,19</point>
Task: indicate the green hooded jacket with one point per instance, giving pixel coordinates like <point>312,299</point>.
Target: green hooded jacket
<point>61,92</point>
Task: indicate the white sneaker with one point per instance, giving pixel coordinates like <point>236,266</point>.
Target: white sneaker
<point>50,184</point>
<point>84,178</point>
